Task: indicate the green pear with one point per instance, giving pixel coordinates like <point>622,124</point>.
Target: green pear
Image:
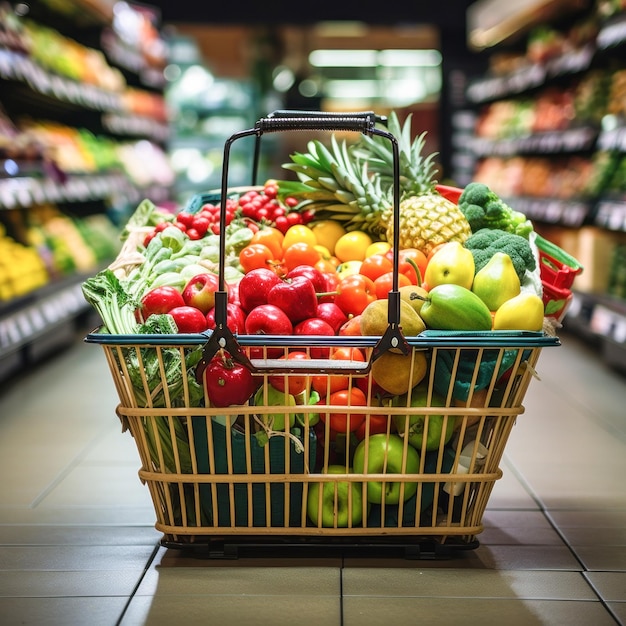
<point>497,281</point>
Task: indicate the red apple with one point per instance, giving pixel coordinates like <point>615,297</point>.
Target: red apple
<point>189,319</point>
<point>200,291</point>
<point>315,326</point>
<point>160,300</point>
<point>254,287</point>
<point>233,293</point>
<point>331,313</point>
<point>267,319</point>
<point>296,297</point>
<point>235,318</point>
<point>313,274</point>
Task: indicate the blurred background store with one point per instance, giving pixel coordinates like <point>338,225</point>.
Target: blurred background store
<point>106,103</point>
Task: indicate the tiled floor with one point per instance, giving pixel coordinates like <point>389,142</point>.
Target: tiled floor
<point>77,543</point>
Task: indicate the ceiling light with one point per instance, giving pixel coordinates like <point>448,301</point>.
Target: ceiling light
<point>375,58</point>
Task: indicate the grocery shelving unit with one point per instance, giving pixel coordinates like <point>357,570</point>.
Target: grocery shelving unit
<point>565,177</point>
<point>125,114</point>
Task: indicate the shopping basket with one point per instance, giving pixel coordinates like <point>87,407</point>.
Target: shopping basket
<point>224,477</point>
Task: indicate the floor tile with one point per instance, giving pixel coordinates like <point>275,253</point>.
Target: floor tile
<point>455,583</point>
<point>62,611</point>
<point>359,611</point>
<point>50,535</point>
<point>249,580</point>
<point>42,584</point>
<point>243,610</point>
<point>516,557</point>
<point>75,558</point>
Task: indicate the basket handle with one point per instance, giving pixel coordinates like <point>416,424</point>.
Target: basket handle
<point>286,120</point>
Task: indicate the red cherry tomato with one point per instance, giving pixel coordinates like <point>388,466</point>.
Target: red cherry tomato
<point>377,424</point>
<point>384,283</point>
<point>300,253</point>
<point>345,422</point>
<point>375,266</point>
<point>294,384</point>
<point>254,256</point>
<point>354,293</point>
<point>407,257</point>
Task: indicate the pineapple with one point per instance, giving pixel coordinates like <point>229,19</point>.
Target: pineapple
<point>354,185</point>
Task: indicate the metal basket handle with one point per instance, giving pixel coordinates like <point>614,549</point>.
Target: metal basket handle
<point>286,120</point>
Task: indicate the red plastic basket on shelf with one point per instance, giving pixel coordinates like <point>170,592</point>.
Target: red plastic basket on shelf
<point>558,271</point>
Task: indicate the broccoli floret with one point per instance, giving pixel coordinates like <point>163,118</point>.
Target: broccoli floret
<point>485,242</point>
<point>483,208</point>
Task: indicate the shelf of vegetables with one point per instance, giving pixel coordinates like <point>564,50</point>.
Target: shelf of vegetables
<point>550,139</point>
<point>322,389</point>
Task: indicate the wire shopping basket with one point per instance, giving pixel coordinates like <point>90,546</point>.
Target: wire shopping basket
<point>417,472</point>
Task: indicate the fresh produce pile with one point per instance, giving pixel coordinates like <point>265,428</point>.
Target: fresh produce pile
<point>314,258</point>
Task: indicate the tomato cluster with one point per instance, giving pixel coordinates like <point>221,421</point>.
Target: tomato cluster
<point>256,207</point>
<point>264,206</point>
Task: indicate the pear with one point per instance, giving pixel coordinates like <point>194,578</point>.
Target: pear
<point>414,295</point>
<point>497,281</point>
<point>525,311</point>
<point>374,319</point>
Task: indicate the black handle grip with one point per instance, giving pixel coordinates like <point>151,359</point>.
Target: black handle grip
<point>313,120</point>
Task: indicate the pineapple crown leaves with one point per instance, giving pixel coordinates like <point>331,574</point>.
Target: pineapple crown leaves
<point>333,179</point>
<point>416,170</point>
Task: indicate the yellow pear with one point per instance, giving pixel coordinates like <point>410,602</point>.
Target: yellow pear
<point>522,312</point>
<point>497,281</point>
<point>451,264</point>
<point>399,373</point>
<point>374,319</point>
<point>413,294</point>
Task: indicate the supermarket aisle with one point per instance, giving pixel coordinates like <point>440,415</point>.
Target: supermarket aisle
<point>77,545</point>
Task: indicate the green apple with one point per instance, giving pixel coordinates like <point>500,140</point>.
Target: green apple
<point>418,424</point>
<point>337,510</point>
<point>270,396</point>
<point>385,455</point>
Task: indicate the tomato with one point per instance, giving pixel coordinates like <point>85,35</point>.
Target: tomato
<point>201,224</point>
<point>270,237</point>
<point>300,253</point>
<point>354,293</point>
<point>375,266</point>
<point>383,284</point>
<point>227,382</point>
<point>255,255</point>
<point>377,424</point>
<point>295,384</point>
<point>326,384</point>
<point>345,422</point>
<point>345,353</point>
<point>325,265</point>
<point>406,258</point>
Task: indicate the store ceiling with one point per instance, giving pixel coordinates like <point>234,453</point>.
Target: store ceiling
<point>447,15</point>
